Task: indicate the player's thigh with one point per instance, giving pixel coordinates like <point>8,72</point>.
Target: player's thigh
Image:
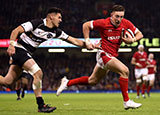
<point>138,73</point>
<point>18,84</point>
<point>97,74</point>
<point>13,74</point>
<point>28,64</point>
<point>151,79</point>
<point>32,67</point>
<point>117,66</point>
<point>24,81</point>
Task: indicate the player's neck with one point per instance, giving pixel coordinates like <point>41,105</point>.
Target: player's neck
<point>49,23</point>
<point>141,52</point>
<point>112,22</point>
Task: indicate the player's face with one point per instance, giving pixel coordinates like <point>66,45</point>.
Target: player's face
<point>56,19</point>
<point>141,49</point>
<point>116,17</point>
<point>151,56</point>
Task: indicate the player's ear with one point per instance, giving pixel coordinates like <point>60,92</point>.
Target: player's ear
<point>111,14</point>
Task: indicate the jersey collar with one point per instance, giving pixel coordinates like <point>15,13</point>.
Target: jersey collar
<point>45,22</point>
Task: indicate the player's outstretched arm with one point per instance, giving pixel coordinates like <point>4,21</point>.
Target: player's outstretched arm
<point>76,41</point>
<point>14,34</point>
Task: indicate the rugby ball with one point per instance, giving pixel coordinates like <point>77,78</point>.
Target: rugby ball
<point>128,33</point>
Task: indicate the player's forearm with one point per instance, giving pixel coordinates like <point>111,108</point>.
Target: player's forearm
<point>76,41</point>
<point>133,62</point>
<point>13,37</point>
<point>138,36</point>
<point>14,34</point>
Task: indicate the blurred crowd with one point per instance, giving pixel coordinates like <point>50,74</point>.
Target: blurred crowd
<point>57,65</point>
<point>76,12</point>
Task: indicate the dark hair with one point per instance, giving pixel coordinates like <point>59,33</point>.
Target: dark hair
<point>54,10</point>
<point>118,8</point>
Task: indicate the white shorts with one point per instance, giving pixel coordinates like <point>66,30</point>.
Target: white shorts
<point>103,58</point>
<point>141,72</point>
<point>151,77</point>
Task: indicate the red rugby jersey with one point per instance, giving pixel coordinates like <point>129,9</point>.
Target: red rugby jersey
<point>110,35</point>
<point>151,69</point>
<point>141,57</point>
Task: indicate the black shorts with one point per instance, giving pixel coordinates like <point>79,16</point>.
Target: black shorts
<point>20,57</point>
<point>26,75</point>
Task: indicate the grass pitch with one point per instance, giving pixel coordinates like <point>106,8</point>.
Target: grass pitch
<point>80,104</point>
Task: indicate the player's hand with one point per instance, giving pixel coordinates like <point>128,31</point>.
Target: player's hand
<point>127,39</point>
<point>138,64</point>
<point>97,46</point>
<point>90,46</point>
<point>11,50</point>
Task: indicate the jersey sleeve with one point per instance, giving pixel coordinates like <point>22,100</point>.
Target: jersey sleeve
<point>97,24</point>
<point>155,63</point>
<point>135,55</point>
<point>131,27</point>
<point>27,26</point>
<point>31,25</point>
<point>61,34</point>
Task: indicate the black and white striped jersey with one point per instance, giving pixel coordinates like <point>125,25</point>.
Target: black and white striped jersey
<point>37,32</point>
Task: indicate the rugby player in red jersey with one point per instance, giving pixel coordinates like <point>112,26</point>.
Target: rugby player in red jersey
<point>139,59</point>
<point>110,30</point>
<point>152,69</point>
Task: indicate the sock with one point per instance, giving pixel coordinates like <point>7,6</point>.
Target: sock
<point>138,89</point>
<point>18,92</point>
<point>40,102</point>
<point>149,88</point>
<point>143,88</point>
<point>124,88</point>
<point>79,81</point>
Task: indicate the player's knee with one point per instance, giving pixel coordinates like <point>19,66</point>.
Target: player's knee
<point>144,78</point>
<point>7,83</point>
<point>138,81</point>
<point>125,72</point>
<point>92,81</point>
<point>38,75</point>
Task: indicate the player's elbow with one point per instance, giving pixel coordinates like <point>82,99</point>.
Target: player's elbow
<point>86,25</point>
<point>142,35</point>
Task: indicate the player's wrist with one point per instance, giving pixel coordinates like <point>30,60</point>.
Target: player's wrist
<point>87,41</point>
<point>134,39</point>
<point>12,42</point>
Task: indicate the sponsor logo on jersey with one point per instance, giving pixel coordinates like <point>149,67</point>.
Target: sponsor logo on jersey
<point>109,30</point>
<point>113,37</point>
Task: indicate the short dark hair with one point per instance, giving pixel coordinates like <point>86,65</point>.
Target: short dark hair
<point>118,8</point>
<point>54,10</point>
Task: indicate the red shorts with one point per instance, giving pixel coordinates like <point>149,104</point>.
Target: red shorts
<point>103,58</point>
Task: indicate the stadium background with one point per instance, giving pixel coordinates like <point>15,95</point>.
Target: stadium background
<point>73,62</point>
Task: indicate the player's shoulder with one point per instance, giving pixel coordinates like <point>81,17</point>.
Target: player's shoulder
<point>155,61</point>
<point>136,53</point>
<point>145,53</point>
<point>102,20</point>
<point>37,22</point>
<point>126,21</point>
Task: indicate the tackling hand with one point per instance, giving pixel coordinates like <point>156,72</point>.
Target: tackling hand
<point>11,50</point>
